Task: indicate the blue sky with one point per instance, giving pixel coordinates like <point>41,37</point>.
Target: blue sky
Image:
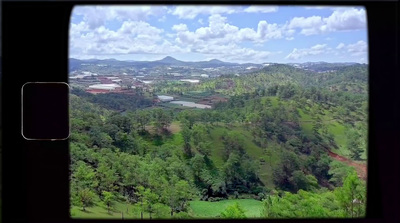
<point>256,34</point>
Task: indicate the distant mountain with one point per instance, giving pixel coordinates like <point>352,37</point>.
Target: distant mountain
<point>169,59</point>
<point>76,64</point>
<point>321,66</point>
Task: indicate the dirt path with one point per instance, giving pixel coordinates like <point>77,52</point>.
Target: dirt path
<point>360,168</point>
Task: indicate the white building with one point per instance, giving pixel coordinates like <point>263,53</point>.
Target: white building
<point>189,80</point>
<point>165,98</point>
<point>190,104</point>
<point>205,75</point>
<point>104,86</point>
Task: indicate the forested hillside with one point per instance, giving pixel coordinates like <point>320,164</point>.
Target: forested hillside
<point>264,152</point>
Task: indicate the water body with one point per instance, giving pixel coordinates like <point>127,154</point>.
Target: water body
<point>190,104</point>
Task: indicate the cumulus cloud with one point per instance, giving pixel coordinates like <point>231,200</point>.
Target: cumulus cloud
<point>342,19</point>
<point>133,37</point>
<point>351,19</point>
<point>300,53</point>
<point>223,39</point>
<point>306,22</point>
<point>191,12</point>
<point>219,31</point>
<point>98,15</point>
<point>357,49</point>
<point>262,9</point>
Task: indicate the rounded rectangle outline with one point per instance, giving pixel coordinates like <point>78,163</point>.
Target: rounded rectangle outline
<point>22,111</point>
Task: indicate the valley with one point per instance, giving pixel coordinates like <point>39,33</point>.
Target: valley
<point>275,132</point>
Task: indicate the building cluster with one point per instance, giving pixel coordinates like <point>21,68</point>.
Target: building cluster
<point>98,84</point>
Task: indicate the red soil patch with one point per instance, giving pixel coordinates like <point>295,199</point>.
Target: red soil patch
<point>360,168</point>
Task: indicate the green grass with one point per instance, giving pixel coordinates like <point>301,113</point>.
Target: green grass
<point>99,211</point>
<point>306,126</point>
<point>199,209</point>
<point>206,209</point>
<point>339,132</point>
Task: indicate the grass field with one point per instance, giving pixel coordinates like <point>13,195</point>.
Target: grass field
<point>100,211</point>
<point>199,209</point>
<point>206,209</point>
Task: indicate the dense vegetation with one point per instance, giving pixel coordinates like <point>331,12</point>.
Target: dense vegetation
<point>268,143</point>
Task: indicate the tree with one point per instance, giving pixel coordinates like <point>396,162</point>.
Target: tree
<point>267,207</point>
<point>188,117</point>
<point>354,142</point>
<point>108,199</point>
<point>107,177</point>
<point>304,182</point>
<point>86,198</point>
<point>84,175</point>
<point>151,200</point>
<point>197,164</point>
<point>199,135</point>
<point>140,194</point>
<point>176,195</point>
<point>123,122</point>
<point>99,138</point>
<point>233,211</point>
<point>186,135</point>
<point>338,172</point>
<point>352,195</point>
<point>283,172</point>
<point>162,119</point>
<point>142,118</point>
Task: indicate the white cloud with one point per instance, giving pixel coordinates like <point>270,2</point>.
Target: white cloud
<point>350,19</point>
<point>200,21</point>
<point>191,12</point>
<point>222,39</point>
<point>219,31</point>
<point>180,27</point>
<point>96,16</point>
<point>306,22</point>
<point>342,19</point>
<point>300,53</point>
<point>357,49</point>
<point>133,37</point>
<point>262,9</point>
<point>340,46</point>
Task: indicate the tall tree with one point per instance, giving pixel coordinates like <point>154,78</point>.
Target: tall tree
<point>108,199</point>
<point>86,198</point>
<point>186,135</point>
<point>151,200</point>
<point>354,144</point>
<point>352,195</point>
<point>162,119</point>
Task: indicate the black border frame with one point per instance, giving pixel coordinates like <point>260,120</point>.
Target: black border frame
<point>35,48</point>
